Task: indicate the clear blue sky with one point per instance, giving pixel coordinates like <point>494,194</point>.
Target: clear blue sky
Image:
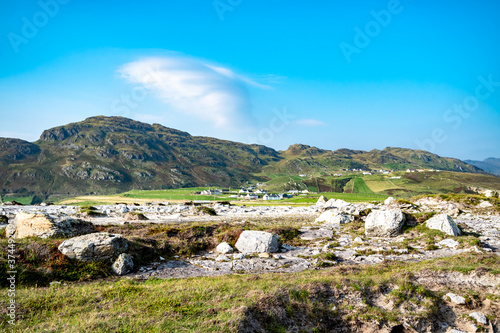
<point>333,74</point>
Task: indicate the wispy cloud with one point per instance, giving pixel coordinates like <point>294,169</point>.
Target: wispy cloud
<point>310,122</point>
<point>212,93</point>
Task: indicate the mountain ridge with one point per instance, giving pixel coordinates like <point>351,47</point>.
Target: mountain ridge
<point>105,155</point>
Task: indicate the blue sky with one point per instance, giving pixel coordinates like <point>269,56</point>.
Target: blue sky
<point>333,74</point>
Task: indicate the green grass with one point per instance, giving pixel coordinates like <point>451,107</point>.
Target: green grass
<point>22,200</point>
<point>174,194</point>
<point>222,304</point>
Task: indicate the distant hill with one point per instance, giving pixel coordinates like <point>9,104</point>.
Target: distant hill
<point>490,164</point>
<point>305,159</point>
<point>104,155</point>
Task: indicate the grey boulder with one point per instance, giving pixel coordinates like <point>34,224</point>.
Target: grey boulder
<point>257,242</point>
<point>124,264</point>
<point>444,223</point>
<point>94,247</point>
<point>384,223</point>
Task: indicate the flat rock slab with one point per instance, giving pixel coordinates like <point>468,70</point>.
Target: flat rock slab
<point>309,233</point>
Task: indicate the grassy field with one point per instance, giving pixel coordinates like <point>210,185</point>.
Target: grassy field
<point>22,200</point>
<point>226,303</point>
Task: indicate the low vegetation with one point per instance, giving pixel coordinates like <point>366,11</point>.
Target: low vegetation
<point>312,301</point>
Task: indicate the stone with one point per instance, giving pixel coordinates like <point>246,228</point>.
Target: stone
<point>132,216</point>
<point>94,247</point>
<point>332,217</point>
<point>257,242</point>
<point>321,201</point>
<point>358,240</point>
<point>389,201</point>
<point>490,194</point>
<point>222,258</point>
<point>485,204</point>
<point>384,223</point>
<point>124,264</point>
<point>43,226</point>
<point>456,299</point>
<point>336,203</point>
<point>444,223</point>
<point>264,255</point>
<point>479,317</point>
<point>239,256</point>
<point>448,243</point>
<point>224,248</point>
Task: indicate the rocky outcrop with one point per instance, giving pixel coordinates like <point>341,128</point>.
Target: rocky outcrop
<point>224,248</point>
<point>386,223</point>
<point>332,217</point>
<point>124,264</point>
<point>257,242</point>
<point>321,201</point>
<point>43,226</point>
<point>444,223</point>
<point>94,247</point>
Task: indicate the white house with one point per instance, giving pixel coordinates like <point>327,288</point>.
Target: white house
<point>272,197</point>
<point>261,192</point>
<point>251,196</point>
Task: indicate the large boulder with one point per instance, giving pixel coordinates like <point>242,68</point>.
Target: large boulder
<point>389,200</point>
<point>224,248</point>
<point>444,223</point>
<point>257,242</point>
<point>336,203</point>
<point>321,201</point>
<point>124,264</point>
<point>332,217</point>
<point>384,223</point>
<point>94,247</point>
<point>43,226</point>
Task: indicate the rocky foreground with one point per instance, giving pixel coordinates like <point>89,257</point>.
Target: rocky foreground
<point>222,239</point>
<point>349,233</point>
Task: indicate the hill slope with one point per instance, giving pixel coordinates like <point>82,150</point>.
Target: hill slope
<point>113,154</point>
<point>104,155</point>
<point>490,164</point>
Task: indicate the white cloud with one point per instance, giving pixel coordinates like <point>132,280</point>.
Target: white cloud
<point>310,122</point>
<point>205,91</point>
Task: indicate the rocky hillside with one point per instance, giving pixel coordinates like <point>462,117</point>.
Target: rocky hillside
<point>300,158</point>
<point>103,155</point>
<point>490,164</point>
<point>113,154</point>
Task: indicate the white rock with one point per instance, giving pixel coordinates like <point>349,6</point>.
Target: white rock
<point>221,258</point>
<point>485,204</point>
<point>389,201</point>
<point>124,264</point>
<point>358,240</point>
<point>321,201</point>
<point>94,247</point>
<point>479,317</point>
<point>239,256</point>
<point>453,330</point>
<point>386,223</point>
<point>332,217</point>
<point>444,223</point>
<point>456,299</point>
<point>224,248</point>
<point>257,242</point>
<point>449,243</point>
<point>336,203</point>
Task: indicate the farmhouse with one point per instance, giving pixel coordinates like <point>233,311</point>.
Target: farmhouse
<point>272,197</point>
<point>210,192</point>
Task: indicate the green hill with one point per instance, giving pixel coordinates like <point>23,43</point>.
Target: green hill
<point>106,155</point>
